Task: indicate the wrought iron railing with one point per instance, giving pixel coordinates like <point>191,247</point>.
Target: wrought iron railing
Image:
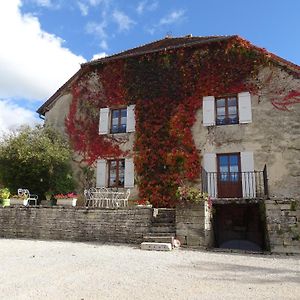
<point>247,185</point>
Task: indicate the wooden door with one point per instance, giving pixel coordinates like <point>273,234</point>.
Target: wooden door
<point>229,175</point>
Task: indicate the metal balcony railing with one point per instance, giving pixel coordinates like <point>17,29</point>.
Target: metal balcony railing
<point>246,185</point>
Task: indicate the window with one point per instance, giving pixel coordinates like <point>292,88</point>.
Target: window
<point>118,120</point>
<point>229,166</point>
<point>227,110</point>
<point>116,173</point>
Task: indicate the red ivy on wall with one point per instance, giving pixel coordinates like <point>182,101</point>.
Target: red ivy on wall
<point>167,89</point>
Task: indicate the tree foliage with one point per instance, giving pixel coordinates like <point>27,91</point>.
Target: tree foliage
<point>37,159</point>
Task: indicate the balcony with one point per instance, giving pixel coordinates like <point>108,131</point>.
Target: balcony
<point>236,185</point>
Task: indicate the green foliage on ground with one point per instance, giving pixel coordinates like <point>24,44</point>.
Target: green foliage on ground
<point>37,159</point>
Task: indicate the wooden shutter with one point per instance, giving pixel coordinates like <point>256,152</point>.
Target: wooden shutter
<point>130,125</point>
<point>104,121</point>
<point>245,111</point>
<point>129,173</point>
<point>248,176</point>
<point>210,166</point>
<point>209,115</point>
<point>101,173</point>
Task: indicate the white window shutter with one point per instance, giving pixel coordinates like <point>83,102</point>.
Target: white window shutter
<point>130,125</point>
<point>129,173</point>
<point>245,111</point>
<point>248,176</point>
<point>209,114</point>
<point>101,173</point>
<point>210,166</point>
<point>104,121</point>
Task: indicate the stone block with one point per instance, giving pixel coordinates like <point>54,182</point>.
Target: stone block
<point>156,246</point>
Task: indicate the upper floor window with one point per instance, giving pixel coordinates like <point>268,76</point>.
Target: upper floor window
<point>227,110</point>
<point>118,120</point>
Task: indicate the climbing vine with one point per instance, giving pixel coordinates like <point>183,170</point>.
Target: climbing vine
<point>167,88</point>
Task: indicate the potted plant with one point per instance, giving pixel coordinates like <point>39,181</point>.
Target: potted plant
<point>19,199</point>
<point>190,195</point>
<point>68,199</point>
<point>142,203</point>
<point>4,197</point>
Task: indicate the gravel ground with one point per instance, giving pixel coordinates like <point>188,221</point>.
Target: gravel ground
<point>67,270</point>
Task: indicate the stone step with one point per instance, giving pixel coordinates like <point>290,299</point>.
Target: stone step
<point>156,246</point>
<point>163,224</point>
<point>159,239</point>
<point>163,229</point>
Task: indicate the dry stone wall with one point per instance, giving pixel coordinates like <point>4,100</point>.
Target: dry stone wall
<point>190,226</point>
<point>76,224</point>
<point>283,225</point>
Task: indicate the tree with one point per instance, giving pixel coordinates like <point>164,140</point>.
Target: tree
<point>37,159</point>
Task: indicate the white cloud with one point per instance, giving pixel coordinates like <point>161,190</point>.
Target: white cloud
<point>33,63</point>
<point>84,9</point>
<point>146,6</point>
<point>13,116</point>
<point>123,21</point>
<point>99,30</point>
<point>173,17</point>
<point>99,55</point>
<point>44,3</point>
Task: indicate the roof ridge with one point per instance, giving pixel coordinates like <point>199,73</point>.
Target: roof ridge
<point>192,41</point>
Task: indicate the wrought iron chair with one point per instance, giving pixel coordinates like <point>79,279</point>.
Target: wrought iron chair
<point>29,197</point>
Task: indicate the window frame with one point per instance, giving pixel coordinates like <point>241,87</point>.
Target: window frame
<point>118,162</point>
<point>119,120</point>
<point>226,98</point>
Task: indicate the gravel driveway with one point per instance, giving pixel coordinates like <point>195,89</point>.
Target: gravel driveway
<point>68,270</point>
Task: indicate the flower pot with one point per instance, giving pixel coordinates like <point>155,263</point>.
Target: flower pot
<point>17,201</point>
<point>5,202</point>
<point>66,201</point>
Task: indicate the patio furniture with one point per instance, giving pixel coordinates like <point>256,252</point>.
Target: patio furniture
<point>106,198</point>
<point>29,197</point>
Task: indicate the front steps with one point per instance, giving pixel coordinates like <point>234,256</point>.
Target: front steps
<point>162,231</point>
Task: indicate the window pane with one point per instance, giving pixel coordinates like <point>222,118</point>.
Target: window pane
<point>115,129</point>
<point>115,113</point>
<point>232,119</point>
<point>223,160</point>
<point>233,160</point>
<point>232,101</point>
<point>232,110</point>
<point>123,120</point>
<point>221,111</point>
<point>124,113</point>
<point>220,102</point>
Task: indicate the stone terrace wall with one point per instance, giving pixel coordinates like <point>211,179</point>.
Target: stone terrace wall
<point>191,229</point>
<point>126,225</point>
<point>283,225</point>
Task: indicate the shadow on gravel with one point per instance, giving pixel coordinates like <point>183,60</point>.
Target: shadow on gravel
<point>244,273</point>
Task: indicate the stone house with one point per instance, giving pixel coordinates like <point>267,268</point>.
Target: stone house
<point>148,119</point>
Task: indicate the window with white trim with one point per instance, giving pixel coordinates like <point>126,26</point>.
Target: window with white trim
<point>115,173</point>
<point>117,120</point>
<point>227,110</point>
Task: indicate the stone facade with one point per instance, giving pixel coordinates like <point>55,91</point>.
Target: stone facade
<point>273,136</point>
<point>283,225</point>
<point>127,225</point>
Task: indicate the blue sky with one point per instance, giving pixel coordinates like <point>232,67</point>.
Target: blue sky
<point>44,41</point>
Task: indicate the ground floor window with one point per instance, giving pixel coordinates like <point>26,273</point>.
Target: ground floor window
<point>116,173</point>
